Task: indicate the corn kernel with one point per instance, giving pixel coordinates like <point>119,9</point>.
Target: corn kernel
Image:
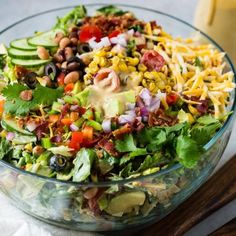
<point>28,147</point>
<point>142,67</point>
<point>149,75</point>
<point>193,110</point>
<point>144,83</point>
<point>161,85</point>
<point>131,68</point>
<point>168,88</point>
<point>133,61</point>
<point>136,54</point>
<point>100,53</point>
<point>96,60</point>
<point>3,134</point>
<point>120,55</point>
<point>152,86</point>
<point>123,67</point>
<point>103,62</point>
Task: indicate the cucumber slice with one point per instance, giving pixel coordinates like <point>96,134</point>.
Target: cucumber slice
<point>11,125</point>
<point>20,54</point>
<point>45,39</point>
<point>22,44</point>
<point>29,63</point>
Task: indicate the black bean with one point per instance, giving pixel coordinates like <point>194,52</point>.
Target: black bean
<point>73,66</point>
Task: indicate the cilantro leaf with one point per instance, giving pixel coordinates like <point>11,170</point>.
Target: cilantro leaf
<point>126,144</point>
<point>41,96</point>
<point>204,129</point>
<point>49,95</point>
<point>188,151</point>
<point>149,162</point>
<point>132,155</point>
<point>127,170</point>
<point>83,164</point>
<point>111,10</point>
<point>207,120</point>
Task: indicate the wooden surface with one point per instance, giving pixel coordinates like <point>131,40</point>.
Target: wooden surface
<point>228,229</point>
<point>219,190</point>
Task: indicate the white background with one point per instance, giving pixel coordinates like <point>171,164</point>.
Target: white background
<point>13,221</point>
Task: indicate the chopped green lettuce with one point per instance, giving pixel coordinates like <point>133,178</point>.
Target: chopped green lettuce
<point>71,18</point>
<point>111,10</point>
<point>126,144</point>
<point>5,148</point>
<point>83,163</point>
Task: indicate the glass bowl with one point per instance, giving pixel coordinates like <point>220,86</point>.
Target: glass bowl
<point>148,198</point>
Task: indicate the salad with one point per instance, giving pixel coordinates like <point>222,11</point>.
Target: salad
<point>97,101</point>
<point>109,97</point>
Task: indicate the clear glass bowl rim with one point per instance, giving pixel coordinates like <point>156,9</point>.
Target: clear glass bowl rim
<point>140,178</point>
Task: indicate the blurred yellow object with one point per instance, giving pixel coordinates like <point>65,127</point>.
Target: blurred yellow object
<point>217,18</point>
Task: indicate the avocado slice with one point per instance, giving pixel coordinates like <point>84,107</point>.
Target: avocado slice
<point>126,96</point>
<point>124,202</point>
<point>113,107</point>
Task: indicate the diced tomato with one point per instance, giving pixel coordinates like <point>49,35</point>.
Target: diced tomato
<point>1,106</point>
<point>76,140</point>
<point>88,132</point>
<point>60,79</point>
<point>89,31</point>
<point>53,118</point>
<point>66,121</point>
<point>69,87</point>
<point>172,98</point>
<point>114,33</point>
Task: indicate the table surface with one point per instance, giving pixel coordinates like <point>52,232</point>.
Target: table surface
<point>12,219</point>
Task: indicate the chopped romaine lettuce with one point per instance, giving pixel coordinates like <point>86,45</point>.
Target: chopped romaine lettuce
<point>83,163</point>
<point>71,18</point>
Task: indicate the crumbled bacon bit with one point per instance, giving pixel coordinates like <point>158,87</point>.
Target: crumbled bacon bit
<point>20,71</point>
<point>108,24</point>
<point>119,133</point>
<point>108,146</point>
<point>137,125</point>
<point>41,130</point>
<point>159,118</point>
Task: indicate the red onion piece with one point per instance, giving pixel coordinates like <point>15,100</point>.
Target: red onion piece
<point>202,108</point>
<point>146,96</point>
<point>73,127</point>
<point>74,107</point>
<point>10,136</point>
<point>31,126</point>
<point>130,106</point>
<point>145,118</point>
<point>155,104</point>
<point>106,125</point>
<point>144,111</point>
<point>56,139</point>
<point>128,117</point>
